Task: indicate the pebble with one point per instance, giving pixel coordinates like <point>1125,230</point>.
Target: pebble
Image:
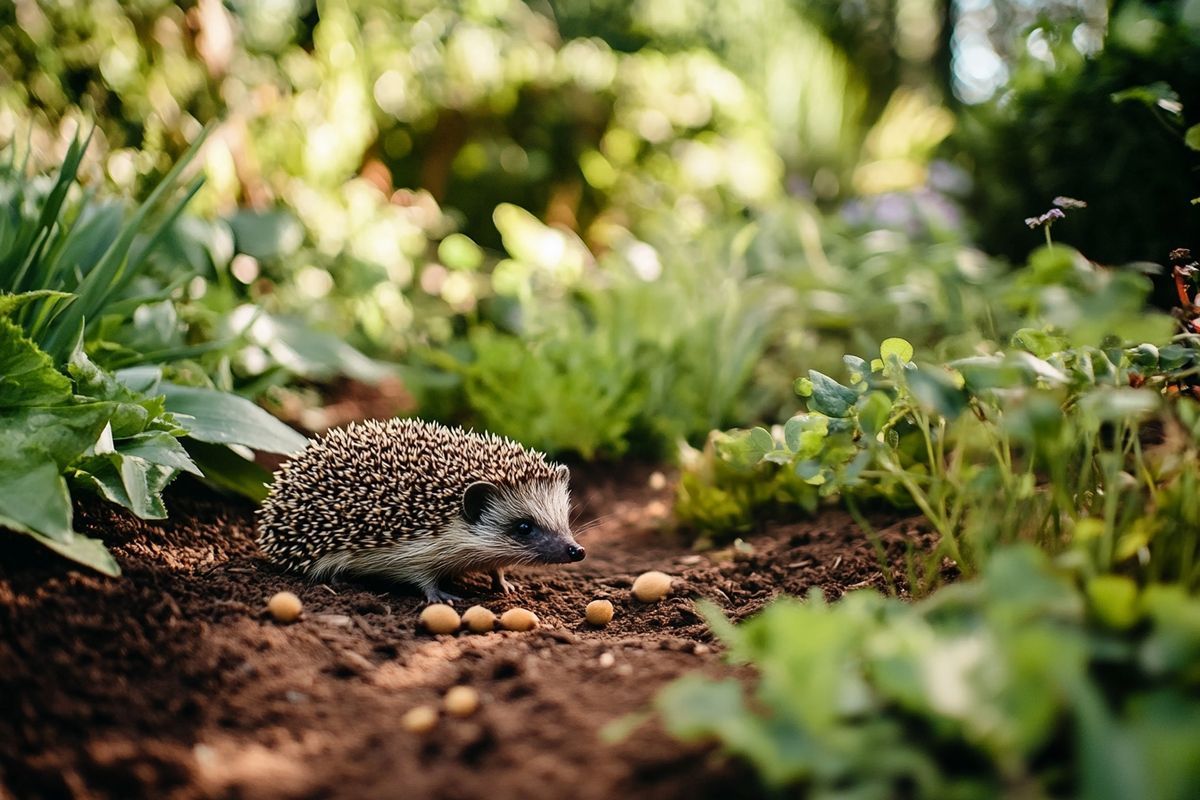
<point>285,607</point>
<point>599,613</point>
<point>461,701</point>
<point>650,587</point>
<point>439,618</point>
<point>421,719</point>
<point>518,619</point>
<point>479,619</point>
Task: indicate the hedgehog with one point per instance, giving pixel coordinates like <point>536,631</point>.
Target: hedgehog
<point>416,502</point>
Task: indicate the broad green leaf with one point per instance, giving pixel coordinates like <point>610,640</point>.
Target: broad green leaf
<point>829,397</point>
<point>222,418</point>
<point>873,411</point>
<point>86,551</point>
<point>857,367</point>
<point>129,481</point>
<point>761,441</point>
<point>936,391</point>
<point>1192,137</point>
<point>227,470</point>
<point>1041,343</point>
<point>60,433</point>
<point>314,354</point>
<point>34,499</point>
<point>1039,368</point>
<point>791,433</point>
<point>897,348</point>
<point>1114,600</point>
<point>266,234</point>
<point>1110,405</point>
<point>134,411</point>
<point>27,375</point>
<point>158,447</point>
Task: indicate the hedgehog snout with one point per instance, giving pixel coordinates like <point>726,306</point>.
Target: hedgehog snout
<point>557,548</point>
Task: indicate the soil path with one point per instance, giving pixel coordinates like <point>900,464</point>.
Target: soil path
<point>171,682</point>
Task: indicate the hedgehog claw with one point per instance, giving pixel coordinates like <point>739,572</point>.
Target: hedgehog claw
<point>502,584</point>
<point>435,595</point>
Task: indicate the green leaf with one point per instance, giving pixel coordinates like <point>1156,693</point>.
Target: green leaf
<point>314,354</point>
<point>761,442</point>
<point>897,348</point>
<point>695,706</point>
<point>129,481</point>
<point>829,397</point>
<point>1192,137</point>
<point>134,411</point>
<point>34,499</point>
<point>159,447</point>
<point>1041,343</point>
<point>791,433</point>
<point>227,470</point>
<point>14,302</point>
<point>60,433</point>
<point>935,390</point>
<point>857,367</point>
<point>86,551</point>
<point>27,375</point>
<point>1114,600</point>
<point>222,418</point>
<point>873,411</point>
<point>266,234</point>
<point>1114,404</point>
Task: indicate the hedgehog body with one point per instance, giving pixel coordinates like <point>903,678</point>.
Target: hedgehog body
<point>416,502</point>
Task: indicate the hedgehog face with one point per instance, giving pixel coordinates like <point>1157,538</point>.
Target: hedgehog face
<point>529,522</point>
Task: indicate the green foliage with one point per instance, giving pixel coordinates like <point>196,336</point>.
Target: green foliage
<point>1098,128</point>
<point>70,269</point>
<point>81,259</point>
<point>1016,682</point>
<point>574,393</point>
<point>1040,441</point>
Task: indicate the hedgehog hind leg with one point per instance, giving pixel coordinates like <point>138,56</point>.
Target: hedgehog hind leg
<point>435,594</point>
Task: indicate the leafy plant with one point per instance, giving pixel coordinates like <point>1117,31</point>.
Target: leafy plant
<point>1016,683</point>
<point>1043,442</point>
<point>81,258</point>
<point>67,423</point>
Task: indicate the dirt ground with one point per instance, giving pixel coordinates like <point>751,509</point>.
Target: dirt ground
<point>171,682</point>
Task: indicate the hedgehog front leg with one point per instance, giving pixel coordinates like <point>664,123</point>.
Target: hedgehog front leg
<point>500,584</point>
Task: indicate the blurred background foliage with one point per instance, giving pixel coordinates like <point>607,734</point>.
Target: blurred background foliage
<point>450,185</point>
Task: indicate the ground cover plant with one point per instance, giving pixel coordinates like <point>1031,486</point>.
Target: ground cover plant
<point>1060,466</point>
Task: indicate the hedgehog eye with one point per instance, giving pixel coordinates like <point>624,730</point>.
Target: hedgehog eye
<point>523,527</point>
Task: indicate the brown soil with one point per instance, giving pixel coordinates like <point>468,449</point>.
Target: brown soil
<point>171,682</point>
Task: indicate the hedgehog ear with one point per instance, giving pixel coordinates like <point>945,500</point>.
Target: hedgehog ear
<point>475,500</point>
<point>562,473</point>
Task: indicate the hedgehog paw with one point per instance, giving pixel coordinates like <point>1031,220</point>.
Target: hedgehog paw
<point>502,584</point>
<point>436,595</point>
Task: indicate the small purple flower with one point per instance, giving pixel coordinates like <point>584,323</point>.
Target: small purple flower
<point>1069,202</point>
<point>1045,219</point>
